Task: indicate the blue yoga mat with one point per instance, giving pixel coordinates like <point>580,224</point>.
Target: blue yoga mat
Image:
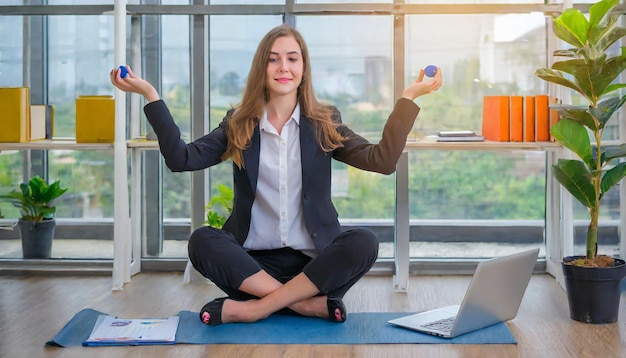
<point>360,328</point>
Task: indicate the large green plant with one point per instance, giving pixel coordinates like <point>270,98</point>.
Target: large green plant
<point>34,199</point>
<point>590,70</point>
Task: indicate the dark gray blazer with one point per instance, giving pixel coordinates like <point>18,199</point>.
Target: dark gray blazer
<point>320,216</point>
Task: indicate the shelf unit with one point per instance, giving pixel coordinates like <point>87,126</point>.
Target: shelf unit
<point>555,220</point>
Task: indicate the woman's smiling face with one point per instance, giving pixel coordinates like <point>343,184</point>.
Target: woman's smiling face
<point>284,68</point>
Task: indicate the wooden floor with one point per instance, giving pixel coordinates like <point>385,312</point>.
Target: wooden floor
<point>34,308</point>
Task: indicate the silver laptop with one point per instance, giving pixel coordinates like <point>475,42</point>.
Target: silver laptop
<point>493,296</point>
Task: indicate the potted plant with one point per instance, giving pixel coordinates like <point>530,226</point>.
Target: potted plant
<point>219,207</point>
<point>217,211</point>
<point>34,200</point>
<point>592,281</point>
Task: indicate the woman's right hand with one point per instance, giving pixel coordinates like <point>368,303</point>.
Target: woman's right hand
<point>133,83</point>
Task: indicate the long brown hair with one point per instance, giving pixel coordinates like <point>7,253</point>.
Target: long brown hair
<point>246,115</point>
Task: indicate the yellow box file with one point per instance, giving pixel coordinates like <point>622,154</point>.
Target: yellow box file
<point>14,114</point>
<point>95,119</point>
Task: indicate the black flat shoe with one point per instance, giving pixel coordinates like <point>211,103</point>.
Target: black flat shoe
<point>336,309</point>
<point>211,313</point>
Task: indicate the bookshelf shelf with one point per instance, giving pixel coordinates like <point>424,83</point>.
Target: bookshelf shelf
<point>142,143</point>
<point>486,145</point>
<point>52,144</point>
<point>70,144</point>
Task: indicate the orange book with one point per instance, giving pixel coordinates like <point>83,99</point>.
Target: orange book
<point>542,118</point>
<point>516,118</point>
<point>15,114</point>
<point>554,115</point>
<point>529,119</point>
<point>495,124</point>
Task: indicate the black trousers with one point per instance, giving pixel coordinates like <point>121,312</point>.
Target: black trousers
<point>219,257</point>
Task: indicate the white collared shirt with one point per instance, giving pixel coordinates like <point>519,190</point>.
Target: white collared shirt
<point>277,219</point>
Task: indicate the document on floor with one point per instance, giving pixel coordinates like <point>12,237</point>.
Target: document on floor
<point>113,331</point>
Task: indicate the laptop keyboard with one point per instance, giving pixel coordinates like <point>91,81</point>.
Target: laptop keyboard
<point>443,325</point>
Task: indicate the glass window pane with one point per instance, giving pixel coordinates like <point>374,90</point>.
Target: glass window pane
<point>89,177</point>
<point>80,58</point>
<point>505,191</point>
<point>230,57</point>
<point>85,212</point>
<point>11,164</point>
<point>172,44</point>
<point>353,71</point>
<point>176,70</point>
<point>11,51</point>
<point>10,177</point>
<point>494,206</point>
<point>493,55</point>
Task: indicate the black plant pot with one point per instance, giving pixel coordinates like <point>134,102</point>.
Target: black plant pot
<point>593,293</point>
<point>37,238</point>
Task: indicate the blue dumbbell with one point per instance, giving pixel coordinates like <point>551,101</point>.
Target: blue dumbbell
<point>123,71</point>
<point>430,70</point>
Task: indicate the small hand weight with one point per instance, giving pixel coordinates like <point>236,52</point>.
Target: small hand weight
<point>430,70</point>
<point>124,72</point>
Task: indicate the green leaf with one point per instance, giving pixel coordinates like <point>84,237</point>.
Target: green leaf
<point>587,75</point>
<point>612,177</point>
<point>558,78</point>
<point>610,152</point>
<point>573,136</point>
<point>571,53</point>
<point>218,205</point>
<point>580,114</point>
<point>614,87</point>
<point>605,109</point>
<point>615,34</point>
<point>611,70</point>
<point>598,10</point>
<point>214,219</point>
<point>599,74</point>
<point>575,177</point>
<point>599,22</point>
<point>571,26</point>
<point>26,190</point>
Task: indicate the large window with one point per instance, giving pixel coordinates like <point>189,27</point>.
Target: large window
<point>463,204</point>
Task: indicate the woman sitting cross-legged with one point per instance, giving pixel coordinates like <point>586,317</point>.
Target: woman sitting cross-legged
<point>282,246</point>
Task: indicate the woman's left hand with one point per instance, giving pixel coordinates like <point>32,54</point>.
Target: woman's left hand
<point>421,87</point>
